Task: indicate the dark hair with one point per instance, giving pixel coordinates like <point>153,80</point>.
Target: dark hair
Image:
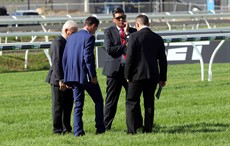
<point>91,20</point>
<point>143,19</point>
<point>117,10</point>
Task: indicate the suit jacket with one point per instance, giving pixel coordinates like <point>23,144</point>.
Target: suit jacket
<point>145,58</point>
<point>78,58</point>
<point>115,50</point>
<point>56,51</point>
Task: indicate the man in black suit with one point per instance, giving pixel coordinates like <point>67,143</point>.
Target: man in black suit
<point>146,66</point>
<point>62,97</point>
<point>115,40</point>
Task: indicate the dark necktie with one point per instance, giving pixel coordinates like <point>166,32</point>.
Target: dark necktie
<point>123,41</point>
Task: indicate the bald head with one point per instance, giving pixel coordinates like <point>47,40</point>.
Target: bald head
<point>68,28</point>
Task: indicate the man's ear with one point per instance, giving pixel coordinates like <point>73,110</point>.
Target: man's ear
<point>66,31</point>
<point>137,25</point>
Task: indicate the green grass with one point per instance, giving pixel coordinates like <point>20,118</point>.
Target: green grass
<point>14,61</point>
<point>189,112</point>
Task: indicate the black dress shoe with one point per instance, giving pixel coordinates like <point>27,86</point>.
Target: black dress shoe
<point>139,126</point>
<point>107,128</point>
<point>57,131</point>
<point>147,131</point>
<point>132,133</point>
<point>100,131</point>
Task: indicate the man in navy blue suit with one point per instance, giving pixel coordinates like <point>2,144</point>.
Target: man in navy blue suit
<point>80,73</point>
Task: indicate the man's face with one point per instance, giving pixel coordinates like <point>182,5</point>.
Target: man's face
<point>71,31</point>
<point>119,19</point>
<point>93,29</point>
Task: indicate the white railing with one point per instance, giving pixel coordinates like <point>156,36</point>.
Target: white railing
<point>99,43</point>
<point>169,19</point>
<point>105,18</point>
<point>106,7</point>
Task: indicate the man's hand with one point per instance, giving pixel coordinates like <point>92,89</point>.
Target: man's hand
<point>162,83</point>
<point>62,86</point>
<point>94,80</point>
<point>126,28</point>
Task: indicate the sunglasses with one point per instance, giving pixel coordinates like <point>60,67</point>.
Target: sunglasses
<point>121,17</point>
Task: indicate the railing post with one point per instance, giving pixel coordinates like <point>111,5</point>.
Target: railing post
<point>211,60</point>
<point>201,60</point>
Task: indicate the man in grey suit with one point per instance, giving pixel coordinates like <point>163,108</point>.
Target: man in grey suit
<point>115,40</point>
<point>62,97</point>
<point>146,66</point>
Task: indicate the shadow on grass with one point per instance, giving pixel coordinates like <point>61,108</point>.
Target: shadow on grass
<point>192,128</point>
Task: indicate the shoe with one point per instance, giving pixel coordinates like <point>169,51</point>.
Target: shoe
<point>107,128</point>
<point>139,126</point>
<point>80,134</point>
<point>100,131</point>
<point>132,133</point>
<point>57,131</point>
<point>147,131</point>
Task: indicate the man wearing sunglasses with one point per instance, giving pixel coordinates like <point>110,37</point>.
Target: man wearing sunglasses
<point>115,42</point>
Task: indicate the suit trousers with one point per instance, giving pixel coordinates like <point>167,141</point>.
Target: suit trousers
<point>113,90</point>
<point>95,92</point>
<point>148,88</point>
<point>62,104</point>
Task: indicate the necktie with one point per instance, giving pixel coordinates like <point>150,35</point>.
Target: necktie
<point>123,41</point>
<point>122,34</point>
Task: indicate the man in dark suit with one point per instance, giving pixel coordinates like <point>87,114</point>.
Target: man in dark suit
<point>115,40</point>
<point>62,98</point>
<point>146,66</point>
<point>80,73</point>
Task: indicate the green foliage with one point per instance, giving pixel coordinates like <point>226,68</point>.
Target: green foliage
<point>189,112</point>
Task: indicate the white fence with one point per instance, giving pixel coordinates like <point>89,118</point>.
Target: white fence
<point>99,43</point>
<point>86,6</point>
<point>168,19</point>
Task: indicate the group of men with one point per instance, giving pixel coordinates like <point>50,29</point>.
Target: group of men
<point>135,59</point>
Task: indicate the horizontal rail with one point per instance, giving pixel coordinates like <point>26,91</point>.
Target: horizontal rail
<point>196,37</point>
<point>12,34</point>
<point>106,17</point>
<point>214,30</point>
<point>222,35</point>
<point>99,43</point>
<point>162,33</point>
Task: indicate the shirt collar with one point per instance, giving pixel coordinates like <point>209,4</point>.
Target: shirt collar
<point>143,27</point>
<point>118,27</point>
<point>85,30</point>
<point>63,36</point>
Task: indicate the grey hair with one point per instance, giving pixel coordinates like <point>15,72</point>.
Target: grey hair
<point>69,24</point>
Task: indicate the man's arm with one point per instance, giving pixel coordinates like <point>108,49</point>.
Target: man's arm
<point>57,59</point>
<point>112,43</point>
<point>162,63</point>
<point>129,62</point>
<point>90,59</point>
